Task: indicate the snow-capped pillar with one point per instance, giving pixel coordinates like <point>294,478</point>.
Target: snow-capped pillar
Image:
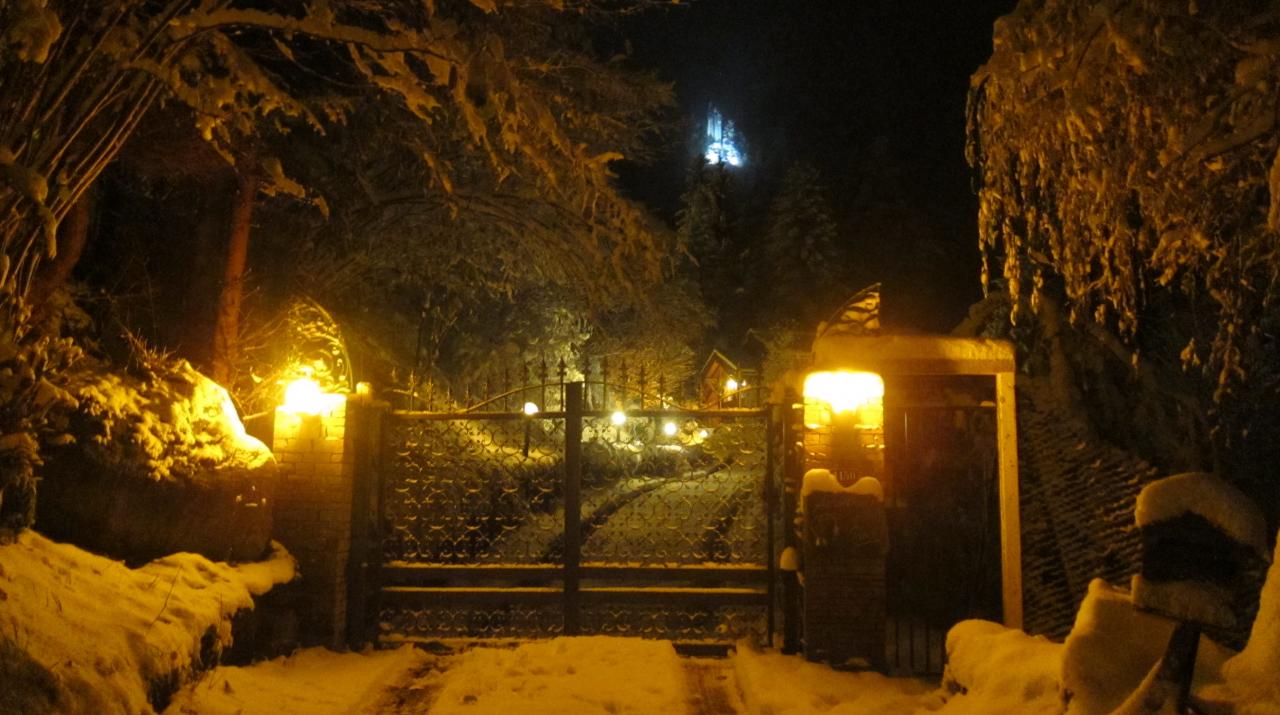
<point>313,515</point>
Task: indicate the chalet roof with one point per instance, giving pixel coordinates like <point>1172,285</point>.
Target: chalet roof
<point>713,357</point>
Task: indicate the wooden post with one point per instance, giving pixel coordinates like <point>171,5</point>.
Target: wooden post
<point>572,508</point>
<point>1010,511</point>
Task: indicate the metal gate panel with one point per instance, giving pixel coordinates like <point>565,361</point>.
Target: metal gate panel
<point>471,490</point>
<point>673,531</point>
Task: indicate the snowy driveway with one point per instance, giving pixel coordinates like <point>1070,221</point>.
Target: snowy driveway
<point>562,676</point>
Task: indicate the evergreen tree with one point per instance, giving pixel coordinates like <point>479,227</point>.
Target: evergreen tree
<point>704,226</point>
<point>797,266</point>
<point>703,219</point>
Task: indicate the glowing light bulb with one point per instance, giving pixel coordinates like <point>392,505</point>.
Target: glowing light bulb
<point>731,384</point>
<point>670,429</point>
<point>304,396</point>
<point>844,391</point>
<point>530,409</point>
<point>618,418</point>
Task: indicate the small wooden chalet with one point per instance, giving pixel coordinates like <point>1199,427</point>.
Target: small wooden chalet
<point>723,383</point>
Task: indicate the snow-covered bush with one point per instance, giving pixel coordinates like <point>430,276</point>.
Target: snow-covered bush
<point>33,404</point>
<point>173,421</point>
<point>159,463</point>
<point>1126,155</point>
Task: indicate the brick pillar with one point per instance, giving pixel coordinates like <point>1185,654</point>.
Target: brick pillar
<point>313,516</point>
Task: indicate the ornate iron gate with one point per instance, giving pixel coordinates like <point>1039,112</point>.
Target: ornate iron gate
<point>656,522</point>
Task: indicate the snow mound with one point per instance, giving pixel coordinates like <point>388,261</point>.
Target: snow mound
<point>314,681</point>
<point>994,669</point>
<point>583,676</point>
<point>169,464</point>
<point>1253,676</point>
<point>1112,648</point>
<point>1221,504</point>
<point>787,685</point>
<point>119,640</point>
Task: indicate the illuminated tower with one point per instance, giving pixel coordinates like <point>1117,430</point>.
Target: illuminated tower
<point>722,140</point>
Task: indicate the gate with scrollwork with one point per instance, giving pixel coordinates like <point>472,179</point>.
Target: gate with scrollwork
<point>572,519</point>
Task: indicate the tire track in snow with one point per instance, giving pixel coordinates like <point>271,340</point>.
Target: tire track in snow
<point>712,687</point>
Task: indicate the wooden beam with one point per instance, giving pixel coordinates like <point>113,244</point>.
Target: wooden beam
<point>1010,502</point>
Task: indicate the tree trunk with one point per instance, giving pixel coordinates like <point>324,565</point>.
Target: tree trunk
<point>227,324</point>
<point>73,233</point>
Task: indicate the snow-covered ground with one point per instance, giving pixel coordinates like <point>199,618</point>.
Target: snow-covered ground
<point>105,650</point>
<point>314,680</point>
<point>593,675</point>
<point>98,637</point>
<point>83,634</point>
<point>1103,668</point>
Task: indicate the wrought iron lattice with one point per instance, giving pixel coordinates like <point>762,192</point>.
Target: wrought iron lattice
<point>512,620</point>
<point>473,512</point>
<point>473,490</point>
<point>489,490</point>
<point>687,624</point>
<point>694,496</point>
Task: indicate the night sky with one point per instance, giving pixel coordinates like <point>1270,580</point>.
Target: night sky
<point>873,93</point>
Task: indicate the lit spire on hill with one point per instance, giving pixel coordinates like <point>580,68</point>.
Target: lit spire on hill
<point>722,140</point>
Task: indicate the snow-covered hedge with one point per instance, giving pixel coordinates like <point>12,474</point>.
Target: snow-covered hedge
<point>32,405</point>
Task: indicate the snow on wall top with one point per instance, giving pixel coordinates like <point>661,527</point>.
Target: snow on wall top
<point>822,480</point>
<point>913,354</point>
<point>1207,495</point>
